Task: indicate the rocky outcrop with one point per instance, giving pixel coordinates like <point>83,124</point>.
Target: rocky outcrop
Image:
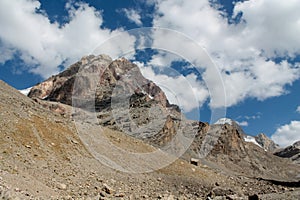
<point>59,88</point>
<point>122,97</point>
<point>292,152</point>
<point>266,143</point>
<point>223,147</point>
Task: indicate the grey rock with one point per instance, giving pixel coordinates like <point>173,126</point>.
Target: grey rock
<point>266,143</point>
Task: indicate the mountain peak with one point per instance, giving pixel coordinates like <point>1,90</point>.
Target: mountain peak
<point>266,143</point>
<point>224,121</point>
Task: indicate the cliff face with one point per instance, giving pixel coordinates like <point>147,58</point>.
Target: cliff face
<point>266,143</point>
<point>106,74</point>
<point>222,146</point>
<point>121,96</point>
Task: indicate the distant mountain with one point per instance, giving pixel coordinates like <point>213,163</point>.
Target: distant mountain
<point>266,143</point>
<point>227,149</point>
<point>260,140</point>
<point>292,152</point>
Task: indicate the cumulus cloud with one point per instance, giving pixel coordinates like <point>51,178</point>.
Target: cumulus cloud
<point>243,123</point>
<point>243,52</point>
<point>45,45</point>
<point>133,16</point>
<point>287,134</point>
<point>298,109</point>
<point>271,25</point>
<point>6,53</point>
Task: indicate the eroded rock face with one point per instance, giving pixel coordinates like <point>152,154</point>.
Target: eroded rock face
<point>59,88</point>
<point>266,143</point>
<point>223,147</point>
<point>121,96</point>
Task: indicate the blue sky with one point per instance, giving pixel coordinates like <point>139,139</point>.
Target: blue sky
<point>254,44</point>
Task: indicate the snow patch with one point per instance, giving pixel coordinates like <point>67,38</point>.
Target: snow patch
<point>151,97</point>
<point>224,121</point>
<point>251,139</point>
<point>25,91</point>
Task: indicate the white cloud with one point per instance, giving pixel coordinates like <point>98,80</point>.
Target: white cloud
<point>298,109</point>
<point>133,16</point>
<point>47,45</point>
<point>251,117</point>
<point>287,134</point>
<point>243,52</point>
<point>6,53</point>
<point>163,59</point>
<point>273,26</point>
<point>243,123</point>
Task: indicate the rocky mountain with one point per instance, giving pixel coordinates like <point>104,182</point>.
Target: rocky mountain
<point>126,101</point>
<point>119,94</point>
<point>266,143</point>
<point>260,140</point>
<point>223,147</point>
<point>292,152</point>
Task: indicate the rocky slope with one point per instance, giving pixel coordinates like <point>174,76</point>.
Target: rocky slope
<point>125,101</point>
<point>226,150</point>
<point>292,152</point>
<point>42,157</point>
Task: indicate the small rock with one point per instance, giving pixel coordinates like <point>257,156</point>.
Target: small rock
<point>68,197</point>
<point>61,186</point>
<point>102,194</point>
<point>194,161</point>
<point>253,197</point>
<point>120,195</point>
<point>107,189</point>
<point>232,197</point>
<point>171,197</point>
<point>28,146</point>
<point>74,141</point>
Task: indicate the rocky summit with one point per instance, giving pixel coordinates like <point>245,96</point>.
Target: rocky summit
<point>266,143</point>
<point>44,156</point>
